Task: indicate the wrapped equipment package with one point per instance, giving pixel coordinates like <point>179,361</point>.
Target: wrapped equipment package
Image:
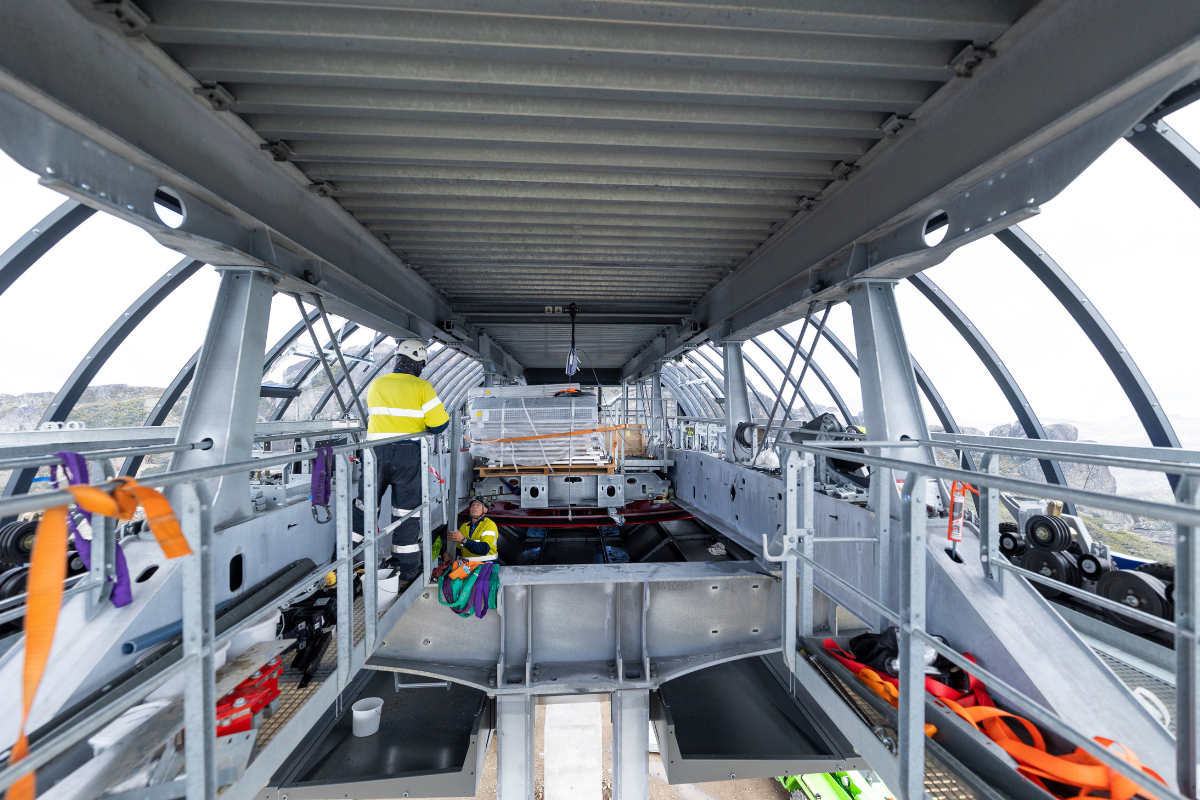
<point>515,412</point>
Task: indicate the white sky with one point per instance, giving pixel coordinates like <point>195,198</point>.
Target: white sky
<point>1122,230</point>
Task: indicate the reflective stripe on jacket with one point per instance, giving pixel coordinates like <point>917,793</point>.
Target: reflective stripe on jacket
<point>398,403</point>
<point>486,532</point>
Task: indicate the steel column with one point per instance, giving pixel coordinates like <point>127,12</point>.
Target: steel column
<point>223,404</point>
<point>516,715</point>
<point>39,239</point>
<point>307,369</point>
<point>1153,418</point>
<point>911,718</point>
<point>362,351</point>
<point>630,710</point>
<point>737,399</point>
<point>991,360</point>
<point>1187,650</point>
<point>889,390</point>
<point>337,351</point>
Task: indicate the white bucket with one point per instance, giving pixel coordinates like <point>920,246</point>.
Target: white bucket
<point>367,713</point>
<point>389,589</point>
<point>263,632</point>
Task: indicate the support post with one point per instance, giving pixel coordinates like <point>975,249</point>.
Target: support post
<point>345,572</point>
<point>911,717</point>
<point>370,550</point>
<point>453,447</point>
<point>737,400</point>
<point>989,523</point>
<point>804,545</point>
<point>882,496</point>
<point>223,404</point>
<point>657,413</point>
<point>199,628</point>
<point>104,549</point>
<point>631,744</point>
<point>889,388</point>
<point>426,516</point>
<point>1187,651</point>
<point>515,718</point>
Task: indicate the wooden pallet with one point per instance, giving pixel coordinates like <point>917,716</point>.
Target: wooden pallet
<point>559,469</point>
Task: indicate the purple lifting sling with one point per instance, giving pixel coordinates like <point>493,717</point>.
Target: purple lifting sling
<point>76,472</point>
<point>321,486</point>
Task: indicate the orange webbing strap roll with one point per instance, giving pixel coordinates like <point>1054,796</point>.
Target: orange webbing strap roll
<point>1078,769</point>
<point>48,569</point>
<point>553,435</point>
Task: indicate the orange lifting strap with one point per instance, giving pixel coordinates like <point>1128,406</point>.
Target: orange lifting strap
<point>1079,769</point>
<point>48,569</point>
<point>552,435</point>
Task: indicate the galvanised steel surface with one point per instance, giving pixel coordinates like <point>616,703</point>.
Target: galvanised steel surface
<point>39,239</point>
<point>591,628</point>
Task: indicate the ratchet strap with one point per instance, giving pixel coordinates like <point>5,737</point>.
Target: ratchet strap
<point>1078,769</point>
<point>48,569</point>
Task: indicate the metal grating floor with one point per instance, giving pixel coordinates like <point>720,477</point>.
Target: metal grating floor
<point>1137,679</point>
<point>292,697</point>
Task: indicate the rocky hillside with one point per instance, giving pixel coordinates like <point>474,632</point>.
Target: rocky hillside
<point>1137,536</point>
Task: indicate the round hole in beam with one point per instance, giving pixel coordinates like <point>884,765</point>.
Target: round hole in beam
<point>169,207</point>
<point>936,228</point>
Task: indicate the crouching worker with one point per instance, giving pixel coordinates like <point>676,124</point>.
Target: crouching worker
<point>401,403</point>
<point>478,535</point>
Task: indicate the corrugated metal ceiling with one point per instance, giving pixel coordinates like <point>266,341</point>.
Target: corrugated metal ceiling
<point>614,152</point>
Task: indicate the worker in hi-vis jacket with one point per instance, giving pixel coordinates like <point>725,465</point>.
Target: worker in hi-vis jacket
<point>477,536</point>
<point>398,403</point>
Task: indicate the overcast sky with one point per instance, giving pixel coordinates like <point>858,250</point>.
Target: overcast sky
<point>1123,231</point>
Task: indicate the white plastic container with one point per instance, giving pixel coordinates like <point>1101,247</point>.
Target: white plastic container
<point>366,715</point>
<point>389,589</point>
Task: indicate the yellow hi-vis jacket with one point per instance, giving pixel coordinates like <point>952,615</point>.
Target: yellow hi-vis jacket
<point>398,403</point>
<point>485,532</point>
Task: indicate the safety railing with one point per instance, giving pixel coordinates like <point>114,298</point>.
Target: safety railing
<point>191,504</point>
<point>794,549</point>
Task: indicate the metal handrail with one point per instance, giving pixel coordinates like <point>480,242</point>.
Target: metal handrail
<point>96,455</point>
<point>43,500</point>
<point>1125,462</point>
<point>45,752</point>
<point>1185,515</point>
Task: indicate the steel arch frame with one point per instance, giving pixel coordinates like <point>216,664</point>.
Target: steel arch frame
<point>37,241</point>
<point>700,405</point>
<point>162,409</point>
<point>1174,155</point>
<point>77,383</point>
<point>1145,404</point>
<point>703,388</point>
<point>682,400</point>
<point>991,361</point>
<point>720,368</point>
<point>787,378</point>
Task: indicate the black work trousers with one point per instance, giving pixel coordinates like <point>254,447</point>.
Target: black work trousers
<point>398,466</point>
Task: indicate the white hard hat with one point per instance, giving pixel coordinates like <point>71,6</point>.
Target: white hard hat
<point>414,349</point>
